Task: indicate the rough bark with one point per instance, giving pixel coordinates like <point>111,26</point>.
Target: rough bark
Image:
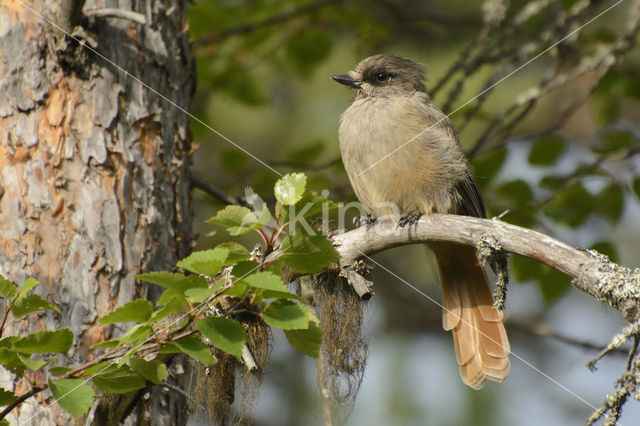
<point>94,168</point>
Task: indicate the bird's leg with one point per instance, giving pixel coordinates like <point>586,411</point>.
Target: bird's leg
<point>409,219</point>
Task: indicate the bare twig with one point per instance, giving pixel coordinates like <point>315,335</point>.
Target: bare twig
<point>215,192</point>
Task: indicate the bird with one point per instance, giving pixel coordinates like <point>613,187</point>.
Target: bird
<point>403,159</point>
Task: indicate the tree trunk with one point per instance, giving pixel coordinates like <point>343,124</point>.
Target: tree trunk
<point>94,167</point>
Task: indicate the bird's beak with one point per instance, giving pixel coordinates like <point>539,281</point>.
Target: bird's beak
<point>347,80</point>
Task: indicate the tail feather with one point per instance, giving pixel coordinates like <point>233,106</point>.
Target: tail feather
<point>480,340</point>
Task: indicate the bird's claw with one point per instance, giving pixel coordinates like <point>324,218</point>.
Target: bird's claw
<point>409,219</point>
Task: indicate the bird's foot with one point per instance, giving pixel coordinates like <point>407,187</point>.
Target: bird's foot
<point>409,219</point>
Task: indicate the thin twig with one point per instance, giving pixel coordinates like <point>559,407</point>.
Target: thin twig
<point>110,12</point>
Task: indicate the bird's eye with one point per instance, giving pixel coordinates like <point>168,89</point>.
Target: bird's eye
<point>383,78</point>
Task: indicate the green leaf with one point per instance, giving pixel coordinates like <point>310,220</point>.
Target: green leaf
<point>31,303</point>
<point>238,289</point>
<point>307,341</point>
<point>154,371</point>
<point>28,285</point>
<point>487,166</point>
<point>136,334</point>
<point>199,295</point>
<point>270,294</point>
<point>118,380</point>
<point>636,187</point>
<point>308,206</point>
<point>616,141</point>
<point>170,295</point>
<point>45,341</point>
<point>6,397</point>
<point>546,151</point>
<point>517,191</point>
<point>239,220</point>
<point>170,307</point>
<point>59,371</point>
<point>73,395</point>
<point>287,315</point>
<point>175,281</point>
<point>33,364</point>
<point>205,262</point>
<point>308,254</point>
<point>553,284</point>
<point>7,288</point>
<point>237,252</point>
<point>244,268</point>
<point>265,280</point>
<point>610,202</point>
<point>191,346</point>
<point>224,334</point>
<point>289,188</point>
<point>9,359</point>
<point>138,310</point>
<point>107,344</point>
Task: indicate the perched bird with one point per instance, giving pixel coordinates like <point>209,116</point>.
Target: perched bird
<point>403,158</point>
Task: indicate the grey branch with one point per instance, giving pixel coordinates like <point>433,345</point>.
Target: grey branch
<point>592,272</point>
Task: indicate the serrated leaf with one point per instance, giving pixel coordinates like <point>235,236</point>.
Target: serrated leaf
<point>546,151</point>
<point>287,315</point>
<point>191,346</point>
<point>224,334</point>
<point>73,395</point>
<point>7,288</point>
<point>154,371</point>
<point>138,310</point>
<point>175,281</point>
<point>170,295</point>
<point>266,281</point>
<point>199,295</point>
<point>205,262</point>
<point>6,397</point>
<point>239,220</point>
<point>610,202</point>
<point>45,341</point>
<point>306,341</point>
<point>244,268</point>
<point>308,254</point>
<point>118,380</point>
<point>289,188</point>
<point>238,289</point>
<point>59,371</point>
<point>9,359</point>
<point>171,307</point>
<point>237,252</point>
<point>28,285</point>
<point>31,303</point>
<point>33,364</point>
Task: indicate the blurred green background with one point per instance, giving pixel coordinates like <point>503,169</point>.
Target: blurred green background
<point>555,142</point>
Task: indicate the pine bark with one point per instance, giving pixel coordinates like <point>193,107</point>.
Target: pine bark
<point>94,167</point>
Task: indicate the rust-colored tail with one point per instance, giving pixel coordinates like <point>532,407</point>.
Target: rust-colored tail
<point>480,340</point>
